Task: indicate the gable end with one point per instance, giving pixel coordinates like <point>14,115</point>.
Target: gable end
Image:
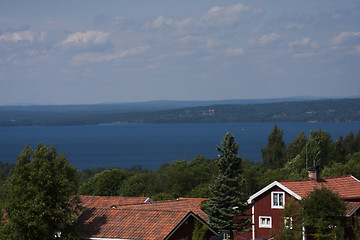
<point>268,187</point>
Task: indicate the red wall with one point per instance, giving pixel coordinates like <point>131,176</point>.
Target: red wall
<point>263,208</point>
<point>186,229</point>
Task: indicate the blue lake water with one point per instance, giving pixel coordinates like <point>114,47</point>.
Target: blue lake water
<point>127,145</point>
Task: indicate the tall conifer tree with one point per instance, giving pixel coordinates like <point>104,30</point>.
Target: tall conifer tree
<point>227,204</point>
<point>274,155</point>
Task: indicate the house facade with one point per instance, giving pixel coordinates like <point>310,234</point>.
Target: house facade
<point>268,203</point>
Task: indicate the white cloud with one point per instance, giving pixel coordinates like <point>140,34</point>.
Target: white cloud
<point>303,41</point>
<point>208,42</point>
<point>89,37</point>
<point>265,39</point>
<point>19,36</point>
<point>235,51</point>
<point>97,57</point>
<point>336,16</point>
<point>344,36</point>
<point>222,16</point>
<point>304,55</point>
<point>357,49</point>
<point>183,23</point>
<point>295,26</point>
<point>161,21</point>
<point>158,23</point>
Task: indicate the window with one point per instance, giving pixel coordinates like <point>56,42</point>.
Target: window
<point>264,222</point>
<point>277,200</point>
<point>288,222</point>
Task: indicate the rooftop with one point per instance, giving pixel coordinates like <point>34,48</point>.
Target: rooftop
<point>348,187</point>
<point>129,223</point>
<point>108,201</point>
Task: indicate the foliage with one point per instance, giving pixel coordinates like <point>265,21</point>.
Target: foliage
<point>199,231</point>
<point>350,167</point>
<point>228,198</point>
<point>193,178</point>
<point>274,155</point>
<point>291,228</point>
<point>141,184</point>
<point>319,148</point>
<point>356,225</point>
<point>86,174</point>
<point>37,197</point>
<point>296,146</point>
<point>323,213</point>
<point>105,183</point>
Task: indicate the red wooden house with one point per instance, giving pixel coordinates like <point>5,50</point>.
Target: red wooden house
<point>269,201</point>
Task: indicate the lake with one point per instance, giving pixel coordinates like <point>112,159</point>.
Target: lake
<point>150,145</point>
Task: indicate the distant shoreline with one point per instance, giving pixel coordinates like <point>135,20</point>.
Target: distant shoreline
<point>328,110</point>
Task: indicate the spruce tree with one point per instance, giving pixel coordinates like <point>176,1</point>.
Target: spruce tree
<point>227,204</point>
<point>274,155</point>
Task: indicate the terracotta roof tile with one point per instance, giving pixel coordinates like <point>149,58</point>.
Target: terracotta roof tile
<point>348,187</point>
<point>170,205</point>
<point>133,218</point>
<point>196,201</point>
<point>107,201</point>
<point>129,223</point>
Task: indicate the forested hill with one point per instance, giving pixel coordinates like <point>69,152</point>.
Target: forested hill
<point>333,110</point>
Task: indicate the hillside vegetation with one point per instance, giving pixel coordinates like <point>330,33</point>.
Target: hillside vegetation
<point>333,110</point>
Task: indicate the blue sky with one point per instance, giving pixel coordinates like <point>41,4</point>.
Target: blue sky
<point>83,52</point>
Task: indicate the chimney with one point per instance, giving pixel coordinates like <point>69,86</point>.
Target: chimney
<point>314,173</point>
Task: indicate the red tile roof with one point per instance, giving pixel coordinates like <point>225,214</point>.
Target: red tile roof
<point>170,205</point>
<point>129,223</point>
<point>348,187</point>
<point>196,201</point>
<point>107,202</point>
<point>133,218</point>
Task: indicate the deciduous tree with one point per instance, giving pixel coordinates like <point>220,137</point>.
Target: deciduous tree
<point>323,214</point>
<point>105,183</point>
<point>38,197</point>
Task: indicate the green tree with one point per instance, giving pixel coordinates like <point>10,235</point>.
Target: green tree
<point>274,155</point>
<point>296,146</point>
<point>228,198</point>
<point>291,227</point>
<point>105,183</point>
<point>352,143</point>
<point>319,148</point>
<point>140,184</point>
<point>323,214</point>
<point>352,166</point>
<point>38,198</point>
<point>199,231</point>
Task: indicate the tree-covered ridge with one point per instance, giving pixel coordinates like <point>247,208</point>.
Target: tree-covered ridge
<point>334,110</point>
<point>45,180</point>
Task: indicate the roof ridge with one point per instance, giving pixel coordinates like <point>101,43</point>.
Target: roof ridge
<point>312,180</point>
<point>158,202</point>
<point>80,195</point>
<point>143,210</point>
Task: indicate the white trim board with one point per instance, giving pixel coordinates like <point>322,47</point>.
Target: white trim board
<point>268,187</point>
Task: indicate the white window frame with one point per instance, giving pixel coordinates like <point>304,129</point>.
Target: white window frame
<point>290,220</point>
<point>261,225</point>
<point>273,198</point>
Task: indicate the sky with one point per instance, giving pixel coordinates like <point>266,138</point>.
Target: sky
<point>114,51</point>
